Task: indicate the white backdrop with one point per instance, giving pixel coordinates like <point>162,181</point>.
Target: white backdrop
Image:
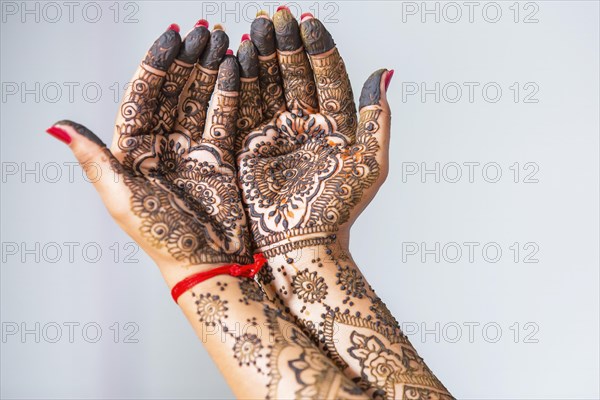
<point>483,242</point>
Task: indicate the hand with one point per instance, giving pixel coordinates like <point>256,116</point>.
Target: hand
<point>169,178</point>
<point>307,168</point>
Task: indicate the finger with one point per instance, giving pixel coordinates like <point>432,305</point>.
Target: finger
<point>140,100</point>
<point>333,85</point>
<point>249,107</point>
<point>296,72</point>
<point>191,114</point>
<point>373,134</point>
<point>220,126</point>
<point>262,33</point>
<point>178,74</point>
<point>101,167</point>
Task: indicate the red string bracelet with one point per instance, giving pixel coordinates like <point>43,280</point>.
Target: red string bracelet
<point>247,271</point>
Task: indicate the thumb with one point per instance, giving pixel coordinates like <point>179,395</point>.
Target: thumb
<point>374,119</point>
<point>101,167</point>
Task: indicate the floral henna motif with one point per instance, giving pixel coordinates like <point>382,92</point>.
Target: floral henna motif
<point>298,178</point>
<point>317,375</point>
<point>343,316</point>
<point>189,208</point>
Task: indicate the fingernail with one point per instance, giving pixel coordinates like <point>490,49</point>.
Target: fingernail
<point>60,134</point>
<point>245,37</point>
<point>229,52</point>
<point>202,22</point>
<point>262,14</point>
<point>388,78</point>
<point>218,27</point>
<point>284,7</point>
<point>174,27</point>
<point>305,16</point>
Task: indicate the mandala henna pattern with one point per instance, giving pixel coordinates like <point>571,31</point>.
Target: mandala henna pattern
<point>312,188</point>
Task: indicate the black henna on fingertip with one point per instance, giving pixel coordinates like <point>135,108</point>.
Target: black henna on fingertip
<point>248,59</point>
<point>262,33</point>
<point>215,50</point>
<point>83,131</point>
<point>164,50</point>
<point>316,37</point>
<point>287,32</point>
<point>371,91</point>
<point>229,75</point>
<point>193,45</point>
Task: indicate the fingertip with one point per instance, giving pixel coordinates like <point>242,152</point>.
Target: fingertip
<point>373,90</point>
<point>262,33</point>
<point>164,50</point>
<point>316,37</point>
<point>248,59</point>
<point>70,133</point>
<point>229,74</point>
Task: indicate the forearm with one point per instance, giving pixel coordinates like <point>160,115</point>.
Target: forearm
<point>333,302</point>
<point>261,353</point>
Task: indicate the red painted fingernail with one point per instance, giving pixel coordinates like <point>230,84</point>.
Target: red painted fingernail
<point>173,27</point>
<point>229,52</point>
<point>60,134</point>
<point>202,22</point>
<point>245,37</point>
<point>305,16</point>
<point>284,7</point>
<point>388,78</point>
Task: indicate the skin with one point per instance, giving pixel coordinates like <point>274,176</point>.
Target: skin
<point>169,181</point>
<point>306,173</point>
<point>280,163</point>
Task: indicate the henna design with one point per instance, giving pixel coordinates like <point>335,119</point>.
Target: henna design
<point>315,36</point>
<point>299,84</point>
<point>163,51</point>
<point>284,358</point>
<point>168,98</point>
<point>309,287</point>
<point>177,76</point>
<point>250,291</point>
<point>371,93</point>
<point>271,85</point>
<point>210,308</point>
<point>193,107</point>
<point>198,90</point>
<point>316,375</point>
<point>250,104</point>
<point>262,33</point>
<point>247,349</point>
<point>248,58</point>
<point>287,32</point>
<point>335,92</point>
<point>215,50</point>
<point>311,189</point>
<point>83,131</point>
<point>138,107</point>
<point>352,326</point>
<point>193,45</point>
<point>189,208</point>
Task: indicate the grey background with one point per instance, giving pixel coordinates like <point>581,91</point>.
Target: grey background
<point>552,304</point>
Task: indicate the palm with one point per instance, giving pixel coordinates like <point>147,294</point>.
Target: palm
<point>304,161</point>
<point>174,188</point>
<point>300,175</point>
